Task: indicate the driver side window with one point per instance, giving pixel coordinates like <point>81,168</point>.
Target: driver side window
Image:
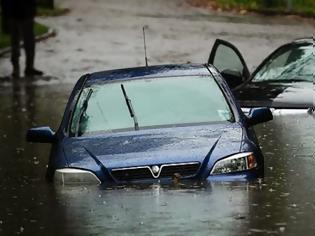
<point>227,59</point>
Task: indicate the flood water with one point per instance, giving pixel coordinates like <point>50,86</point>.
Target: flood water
<point>100,35</point>
<point>283,203</point>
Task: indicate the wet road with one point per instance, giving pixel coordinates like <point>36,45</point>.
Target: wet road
<point>283,203</point>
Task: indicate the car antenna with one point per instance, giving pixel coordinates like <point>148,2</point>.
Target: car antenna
<point>145,46</point>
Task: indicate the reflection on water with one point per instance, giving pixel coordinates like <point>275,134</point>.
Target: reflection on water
<point>157,209</point>
<point>282,203</point>
<point>288,199</point>
<point>27,203</point>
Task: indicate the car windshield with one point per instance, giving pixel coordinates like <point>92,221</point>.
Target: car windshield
<point>290,64</point>
<point>149,103</point>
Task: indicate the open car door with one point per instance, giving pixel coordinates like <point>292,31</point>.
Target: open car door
<point>284,80</point>
<point>229,61</point>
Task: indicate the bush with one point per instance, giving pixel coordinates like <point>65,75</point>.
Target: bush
<point>304,7</point>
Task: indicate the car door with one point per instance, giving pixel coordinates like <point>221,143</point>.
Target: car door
<point>283,80</point>
<point>229,61</point>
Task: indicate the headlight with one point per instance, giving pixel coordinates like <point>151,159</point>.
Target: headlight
<point>238,162</point>
<point>75,176</point>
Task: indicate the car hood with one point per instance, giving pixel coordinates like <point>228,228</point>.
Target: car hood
<point>276,94</point>
<point>153,147</point>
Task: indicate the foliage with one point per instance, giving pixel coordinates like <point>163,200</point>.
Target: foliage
<point>57,11</point>
<point>304,7</point>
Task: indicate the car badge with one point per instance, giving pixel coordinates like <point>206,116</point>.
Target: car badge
<point>155,169</point>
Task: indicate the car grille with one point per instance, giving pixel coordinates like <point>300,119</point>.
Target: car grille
<point>166,171</point>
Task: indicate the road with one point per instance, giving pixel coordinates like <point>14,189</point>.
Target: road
<point>101,35</point>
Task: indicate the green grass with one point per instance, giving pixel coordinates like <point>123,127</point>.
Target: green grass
<point>244,4</point>
<point>5,38</point>
<point>301,7</point>
<point>57,11</point>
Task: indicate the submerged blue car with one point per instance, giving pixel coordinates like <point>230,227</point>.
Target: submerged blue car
<point>153,124</point>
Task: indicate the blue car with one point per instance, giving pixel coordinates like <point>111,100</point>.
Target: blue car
<point>153,124</point>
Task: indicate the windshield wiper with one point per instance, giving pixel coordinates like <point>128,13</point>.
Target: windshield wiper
<point>130,107</point>
<point>83,109</point>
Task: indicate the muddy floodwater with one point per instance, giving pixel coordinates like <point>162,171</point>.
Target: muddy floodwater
<point>100,35</point>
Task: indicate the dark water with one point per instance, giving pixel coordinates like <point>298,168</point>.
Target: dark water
<point>283,203</point>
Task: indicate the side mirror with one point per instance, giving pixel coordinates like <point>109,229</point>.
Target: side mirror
<point>40,135</point>
<point>259,115</point>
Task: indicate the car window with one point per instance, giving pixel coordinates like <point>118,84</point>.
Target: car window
<point>156,102</point>
<point>226,58</point>
<point>294,63</point>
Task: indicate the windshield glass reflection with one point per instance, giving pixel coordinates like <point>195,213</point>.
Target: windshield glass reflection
<point>291,64</point>
<point>169,101</point>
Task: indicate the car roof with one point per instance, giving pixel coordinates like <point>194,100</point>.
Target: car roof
<point>148,72</point>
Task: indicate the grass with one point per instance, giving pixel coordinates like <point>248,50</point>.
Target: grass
<point>5,38</point>
<point>57,11</point>
<point>300,7</point>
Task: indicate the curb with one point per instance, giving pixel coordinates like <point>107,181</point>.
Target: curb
<point>51,33</point>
